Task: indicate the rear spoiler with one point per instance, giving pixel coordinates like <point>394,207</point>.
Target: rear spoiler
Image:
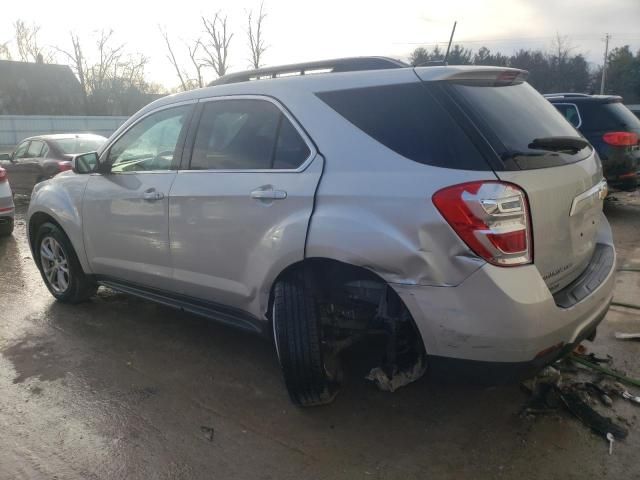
<point>476,76</point>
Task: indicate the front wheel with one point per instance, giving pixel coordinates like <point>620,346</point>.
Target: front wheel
<point>59,266</point>
<point>297,332</point>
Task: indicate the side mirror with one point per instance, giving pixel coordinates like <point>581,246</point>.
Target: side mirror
<point>85,163</point>
<point>5,156</point>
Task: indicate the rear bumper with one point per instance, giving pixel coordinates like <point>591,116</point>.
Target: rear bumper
<point>504,323</point>
<point>495,373</point>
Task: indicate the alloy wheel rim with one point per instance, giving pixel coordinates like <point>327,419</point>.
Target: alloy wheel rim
<point>55,264</point>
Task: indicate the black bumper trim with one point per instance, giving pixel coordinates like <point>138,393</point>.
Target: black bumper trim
<point>594,275</point>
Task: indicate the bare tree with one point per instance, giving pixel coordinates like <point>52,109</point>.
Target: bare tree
<point>198,63</point>
<point>108,61</point>
<point>27,41</point>
<point>172,58</point>
<point>78,63</point>
<point>217,46</point>
<point>5,53</point>
<point>561,48</point>
<point>254,32</point>
<point>187,82</point>
<point>115,80</point>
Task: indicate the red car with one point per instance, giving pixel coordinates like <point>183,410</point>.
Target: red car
<point>39,158</point>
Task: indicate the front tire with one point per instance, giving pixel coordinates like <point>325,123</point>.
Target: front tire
<point>298,340</point>
<point>59,266</point>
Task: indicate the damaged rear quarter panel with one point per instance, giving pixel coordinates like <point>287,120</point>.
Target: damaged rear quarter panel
<point>384,220</point>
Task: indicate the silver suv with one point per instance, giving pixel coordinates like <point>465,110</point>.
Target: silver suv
<point>448,215</point>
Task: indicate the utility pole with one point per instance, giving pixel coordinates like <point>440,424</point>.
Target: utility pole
<point>604,65</point>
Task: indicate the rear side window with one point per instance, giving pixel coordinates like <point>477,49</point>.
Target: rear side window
<point>606,117</point>
<point>512,117</point>
<point>407,119</point>
<point>35,149</point>
<point>246,134</point>
<point>570,113</point>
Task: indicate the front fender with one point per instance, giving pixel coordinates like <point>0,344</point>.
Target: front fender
<point>61,199</point>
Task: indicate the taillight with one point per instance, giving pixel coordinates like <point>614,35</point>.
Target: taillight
<point>63,166</point>
<point>492,218</point>
<point>3,175</point>
<point>621,139</point>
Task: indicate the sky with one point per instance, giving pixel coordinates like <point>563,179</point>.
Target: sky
<point>299,30</point>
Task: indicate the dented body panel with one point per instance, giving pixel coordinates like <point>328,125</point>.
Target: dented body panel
<point>504,315</point>
<point>402,238</point>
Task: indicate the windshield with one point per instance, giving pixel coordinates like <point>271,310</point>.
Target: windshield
<point>513,117</point>
<point>73,146</point>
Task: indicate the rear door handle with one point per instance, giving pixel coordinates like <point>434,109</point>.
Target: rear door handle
<point>152,195</point>
<point>269,194</point>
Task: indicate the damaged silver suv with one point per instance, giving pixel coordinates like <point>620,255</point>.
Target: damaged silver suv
<point>448,214</point>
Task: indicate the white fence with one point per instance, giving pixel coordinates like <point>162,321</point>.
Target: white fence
<point>14,128</point>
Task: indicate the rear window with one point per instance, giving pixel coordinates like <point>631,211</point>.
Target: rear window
<point>512,117</point>
<point>407,119</point>
<point>604,117</point>
<point>73,146</point>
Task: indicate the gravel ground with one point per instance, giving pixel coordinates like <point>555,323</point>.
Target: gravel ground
<point>122,388</point>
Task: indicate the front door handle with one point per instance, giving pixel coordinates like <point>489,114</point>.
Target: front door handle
<point>152,195</point>
<point>269,194</point>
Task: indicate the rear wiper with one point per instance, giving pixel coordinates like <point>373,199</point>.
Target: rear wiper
<point>559,143</point>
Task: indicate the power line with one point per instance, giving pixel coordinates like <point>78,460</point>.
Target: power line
<point>632,36</point>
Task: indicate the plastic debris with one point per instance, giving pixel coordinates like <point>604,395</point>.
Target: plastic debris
<point>606,371</point>
<point>632,398</point>
<point>580,391</point>
<point>627,336</point>
<point>398,379</point>
<point>587,415</point>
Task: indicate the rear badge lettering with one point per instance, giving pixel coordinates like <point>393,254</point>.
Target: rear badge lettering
<point>558,271</point>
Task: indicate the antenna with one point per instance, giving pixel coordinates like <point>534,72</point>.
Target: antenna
<point>446,56</point>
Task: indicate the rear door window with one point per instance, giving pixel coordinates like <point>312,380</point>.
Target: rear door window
<point>407,119</point>
<point>35,149</point>
<point>512,117</point>
<point>246,134</point>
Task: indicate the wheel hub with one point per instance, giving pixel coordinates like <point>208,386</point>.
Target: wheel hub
<point>55,265</point>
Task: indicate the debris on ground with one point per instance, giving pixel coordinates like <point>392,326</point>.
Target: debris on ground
<point>398,379</point>
<point>627,336</point>
<point>208,432</point>
<point>599,368</point>
<point>632,398</point>
<point>578,384</point>
<point>586,414</point>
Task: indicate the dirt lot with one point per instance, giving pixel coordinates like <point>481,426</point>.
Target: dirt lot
<point>122,388</point>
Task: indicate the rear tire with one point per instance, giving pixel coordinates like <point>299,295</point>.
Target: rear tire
<point>59,266</point>
<point>6,229</point>
<point>298,340</point>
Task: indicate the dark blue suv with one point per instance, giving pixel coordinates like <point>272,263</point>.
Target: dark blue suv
<point>611,128</point>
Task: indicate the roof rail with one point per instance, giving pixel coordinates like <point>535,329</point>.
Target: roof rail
<point>569,94</point>
<point>351,64</point>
